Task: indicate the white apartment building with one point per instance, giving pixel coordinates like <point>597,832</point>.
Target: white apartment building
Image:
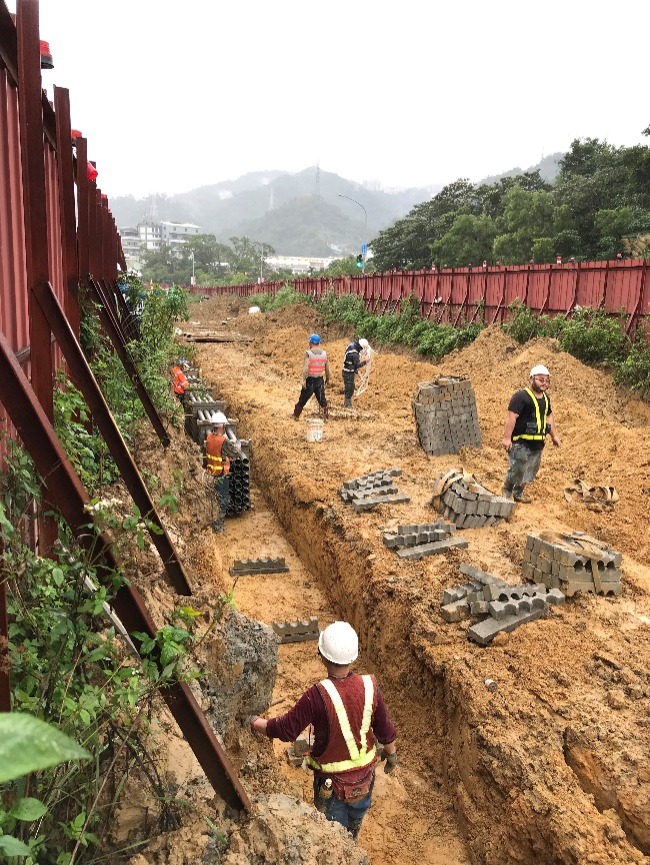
<point>151,234</point>
<point>297,263</point>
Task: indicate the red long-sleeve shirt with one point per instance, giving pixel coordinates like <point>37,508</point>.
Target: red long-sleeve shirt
<point>310,709</point>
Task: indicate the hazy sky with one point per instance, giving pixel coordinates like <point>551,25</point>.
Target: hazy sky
<point>174,95</point>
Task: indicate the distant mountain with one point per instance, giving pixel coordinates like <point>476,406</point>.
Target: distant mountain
<point>298,214</point>
<point>548,167</point>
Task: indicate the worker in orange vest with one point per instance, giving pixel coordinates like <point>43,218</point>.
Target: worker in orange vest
<point>179,383</point>
<point>219,450</point>
<point>315,375</point>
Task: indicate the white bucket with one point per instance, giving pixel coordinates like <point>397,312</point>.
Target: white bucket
<point>315,429</point>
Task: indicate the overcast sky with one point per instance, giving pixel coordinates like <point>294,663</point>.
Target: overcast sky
<point>174,95</point>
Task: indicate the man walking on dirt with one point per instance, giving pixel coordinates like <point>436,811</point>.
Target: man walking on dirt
<point>529,421</point>
<point>315,375</point>
<point>349,716</point>
<point>352,363</point>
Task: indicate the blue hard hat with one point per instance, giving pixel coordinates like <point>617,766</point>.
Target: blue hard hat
<point>315,338</point>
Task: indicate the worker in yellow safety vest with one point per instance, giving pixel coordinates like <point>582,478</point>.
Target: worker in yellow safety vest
<point>349,717</point>
<point>529,421</point>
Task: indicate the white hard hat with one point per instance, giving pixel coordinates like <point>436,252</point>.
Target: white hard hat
<point>540,369</point>
<point>364,343</point>
<point>219,418</point>
<point>339,643</point>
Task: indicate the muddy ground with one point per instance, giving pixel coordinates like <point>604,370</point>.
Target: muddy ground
<point>552,766</point>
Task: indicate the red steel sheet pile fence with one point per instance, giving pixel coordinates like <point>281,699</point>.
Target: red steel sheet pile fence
<point>55,225</point>
<point>461,295</point>
<point>56,235</point>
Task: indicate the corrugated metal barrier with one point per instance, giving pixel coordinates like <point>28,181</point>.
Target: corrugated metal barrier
<point>57,234</point>
<point>460,295</point>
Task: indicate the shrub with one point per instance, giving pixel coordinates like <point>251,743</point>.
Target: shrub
<point>524,323</point>
<point>594,337</point>
<point>633,371</point>
<point>287,296</point>
<point>346,308</point>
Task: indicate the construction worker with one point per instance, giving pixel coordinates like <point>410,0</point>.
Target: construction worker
<point>179,383</point>
<point>219,449</point>
<point>352,363</point>
<point>315,375</point>
<point>529,421</point>
<point>349,717</point>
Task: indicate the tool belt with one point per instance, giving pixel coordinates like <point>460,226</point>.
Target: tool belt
<point>353,789</point>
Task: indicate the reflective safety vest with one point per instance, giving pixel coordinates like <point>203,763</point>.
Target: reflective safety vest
<point>342,739</point>
<point>535,432</point>
<point>218,464</point>
<point>316,364</point>
<point>180,380</point>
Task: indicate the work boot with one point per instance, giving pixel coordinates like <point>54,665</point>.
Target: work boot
<point>326,412</point>
<point>507,493</point>
<point>522,498</point>
<point>297,411</point>
<point>347,402</point>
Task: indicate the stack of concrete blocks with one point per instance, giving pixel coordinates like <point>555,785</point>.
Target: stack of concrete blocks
<point>445,414</point>
<point>427,539</point>
<point>572,563</point>
<point>503,607</point>
<point>241,567</point>
<point>376,488</point>
<point>297,632</point>
<point>467,503</point>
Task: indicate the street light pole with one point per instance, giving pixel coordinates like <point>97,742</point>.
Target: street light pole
<point>261,264</point>
<point>365,227</point>
<point>193,282</point>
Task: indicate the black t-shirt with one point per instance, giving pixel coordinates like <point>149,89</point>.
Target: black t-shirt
<point>522,405</point>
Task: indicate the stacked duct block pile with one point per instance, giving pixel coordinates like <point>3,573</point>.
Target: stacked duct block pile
<point>200,405</point>
<point>572,562</point>
<point>200,408</point>
<point>445,414</point>
<point>428,539</point>
<point>459,497</point>
<point>376,488</point>
<point>240,485</point>
<point>501,606</point>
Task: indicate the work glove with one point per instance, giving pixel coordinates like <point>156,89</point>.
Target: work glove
<point>391,762</point>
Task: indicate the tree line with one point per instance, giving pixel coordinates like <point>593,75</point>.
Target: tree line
<point>598,207</point>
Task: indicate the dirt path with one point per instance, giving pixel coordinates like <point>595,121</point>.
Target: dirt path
<point>552,766</point>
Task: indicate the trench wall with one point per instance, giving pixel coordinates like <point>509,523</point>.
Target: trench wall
<point>506,799</point>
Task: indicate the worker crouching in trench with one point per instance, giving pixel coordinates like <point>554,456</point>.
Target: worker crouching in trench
<point>219,450</point>
<point>349,716</point>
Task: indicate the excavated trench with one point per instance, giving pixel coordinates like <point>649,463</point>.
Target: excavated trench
<point>544,768</point>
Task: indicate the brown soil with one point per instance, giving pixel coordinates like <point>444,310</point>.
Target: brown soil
<point>551,767</point>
